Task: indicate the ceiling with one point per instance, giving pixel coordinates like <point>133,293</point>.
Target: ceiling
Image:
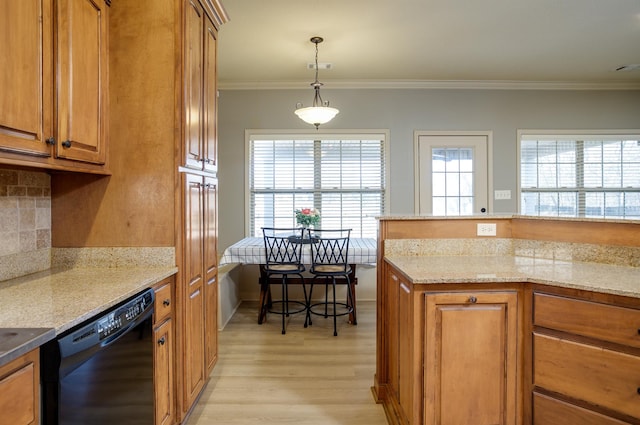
<point>431,43</point>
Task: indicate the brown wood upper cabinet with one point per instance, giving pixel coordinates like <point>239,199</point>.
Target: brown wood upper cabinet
<point>53,108</point>
<point>200,138</point>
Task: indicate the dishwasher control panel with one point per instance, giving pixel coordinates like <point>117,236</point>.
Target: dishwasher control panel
<point>123,315</point>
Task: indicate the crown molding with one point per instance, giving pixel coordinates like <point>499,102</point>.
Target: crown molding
<point>433,84</point>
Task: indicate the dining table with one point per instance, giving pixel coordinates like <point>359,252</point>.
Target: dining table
<point>251,250</point>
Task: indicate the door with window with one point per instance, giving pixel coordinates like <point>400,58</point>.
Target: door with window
<point>451,173</point>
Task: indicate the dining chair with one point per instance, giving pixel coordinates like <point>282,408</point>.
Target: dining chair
<point>283,258</point>
<point>329,266</point>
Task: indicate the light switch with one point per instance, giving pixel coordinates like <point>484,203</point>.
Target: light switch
<point>499,195</point>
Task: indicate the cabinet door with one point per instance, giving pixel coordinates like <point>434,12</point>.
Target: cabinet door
<point>193,84</point>
<point>193,324</point>
<point>210,148</point>
<point>82,61</point>
<point>163,370</point>
<point>470,358</point>
<point>26,76</point>
<point>211,270</point>
<point>20,391</point>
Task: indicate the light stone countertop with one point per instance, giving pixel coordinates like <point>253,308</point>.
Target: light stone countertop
<point>609,279</point>
<point>62,298</point>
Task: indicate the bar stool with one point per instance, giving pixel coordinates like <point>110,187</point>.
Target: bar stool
<point>283,258</point>
<point>329,252</point>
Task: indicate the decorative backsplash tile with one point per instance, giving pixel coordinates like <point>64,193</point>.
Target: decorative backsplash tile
<point>25,222</point>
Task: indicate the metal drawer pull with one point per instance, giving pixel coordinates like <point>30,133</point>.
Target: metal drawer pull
<point>638,390</point>
<point>166,302</point>
<point>161,341</point>
<point>66,143</point>
<point>51,141</point>
<point>473,300</point>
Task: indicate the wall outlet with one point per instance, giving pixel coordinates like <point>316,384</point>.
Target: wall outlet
<point>486,229</point>
<point>501,194</point>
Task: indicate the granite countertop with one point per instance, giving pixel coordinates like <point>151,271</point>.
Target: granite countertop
<point>609,279</point>
<point>37,307</point>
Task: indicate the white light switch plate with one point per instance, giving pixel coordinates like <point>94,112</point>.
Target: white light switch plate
<point>486,229</point>
<point>501,194</point>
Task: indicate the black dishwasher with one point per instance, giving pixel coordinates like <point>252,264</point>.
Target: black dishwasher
<point>101,371</point>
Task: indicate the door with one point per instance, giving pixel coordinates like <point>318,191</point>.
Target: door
<point>82,55</point>
<point>470,358</point>
<point>210,148</point>
<point>211,271</point>
<point>193,85</point>
<point>26,76</point>
<point>451,173</point>
<point>193,324</point>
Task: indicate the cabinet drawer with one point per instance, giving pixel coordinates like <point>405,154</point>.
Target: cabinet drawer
<point>550,411</point>
<point>19,390</point>
<point>596,375</point>
<point>606,322</point>
<point>163,302</point>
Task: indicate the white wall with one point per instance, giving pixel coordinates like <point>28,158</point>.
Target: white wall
<point>403,111</point>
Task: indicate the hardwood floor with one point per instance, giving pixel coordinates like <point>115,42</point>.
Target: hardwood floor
<point>306,377</point>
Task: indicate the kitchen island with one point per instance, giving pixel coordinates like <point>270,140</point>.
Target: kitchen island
<point>537,325</point>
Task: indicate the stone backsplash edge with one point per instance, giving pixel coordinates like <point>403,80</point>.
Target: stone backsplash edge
<point>561,251</point>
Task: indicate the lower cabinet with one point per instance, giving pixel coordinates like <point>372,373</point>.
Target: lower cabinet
<point>163,354</point>
<point>453,355</point>
<point>20,390</point>
<point>586,361</point>
<point>471,358</point>
<point>198,287</point>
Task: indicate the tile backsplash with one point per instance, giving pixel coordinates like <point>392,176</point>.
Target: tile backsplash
<point>25,222</point>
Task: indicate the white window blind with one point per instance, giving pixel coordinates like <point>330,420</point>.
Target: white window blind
<point>343,178</point>
<point>580,176</point>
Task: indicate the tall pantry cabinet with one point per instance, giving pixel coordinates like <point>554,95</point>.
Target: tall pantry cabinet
<point>162,191</point>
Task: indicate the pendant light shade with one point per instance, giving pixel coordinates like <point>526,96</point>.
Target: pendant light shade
<point>320,112</point>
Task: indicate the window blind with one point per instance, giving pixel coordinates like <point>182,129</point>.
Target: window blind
<point>343,178</point>
<point>580,176</point>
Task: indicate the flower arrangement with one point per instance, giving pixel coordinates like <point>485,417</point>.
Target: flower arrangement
<point>307,217</point>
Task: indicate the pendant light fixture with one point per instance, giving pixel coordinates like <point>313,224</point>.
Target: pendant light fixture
<point>320,112</point>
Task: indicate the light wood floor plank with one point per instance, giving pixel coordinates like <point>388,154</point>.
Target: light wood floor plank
<point>306,377</point>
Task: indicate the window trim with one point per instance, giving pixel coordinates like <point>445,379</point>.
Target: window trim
<point>569,135</point>
<point>311,135</point>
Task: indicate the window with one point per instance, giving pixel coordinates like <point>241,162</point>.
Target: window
<point>344,177</point>
<point>588,175</point>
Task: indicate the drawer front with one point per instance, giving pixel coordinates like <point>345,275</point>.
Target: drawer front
<point>585,372</point>
<point>550,411</point>
<point>19,390</point>
<point>605,322</point>
<point>163,303</point>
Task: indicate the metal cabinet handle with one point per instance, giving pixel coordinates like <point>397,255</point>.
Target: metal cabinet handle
<point>161,341</point>
<point>66,144</point>
<point>166,302</point>
<point>473,300</point>
<point>51,141</point>
<point>638,390</point>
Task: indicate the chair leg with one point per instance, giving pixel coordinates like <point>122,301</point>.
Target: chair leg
<point>350,301</point>
<point>307,319</point>
<point>335,316</point>
<point>326,296</point>
<point>306,300</point>
<point>285,302</point>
